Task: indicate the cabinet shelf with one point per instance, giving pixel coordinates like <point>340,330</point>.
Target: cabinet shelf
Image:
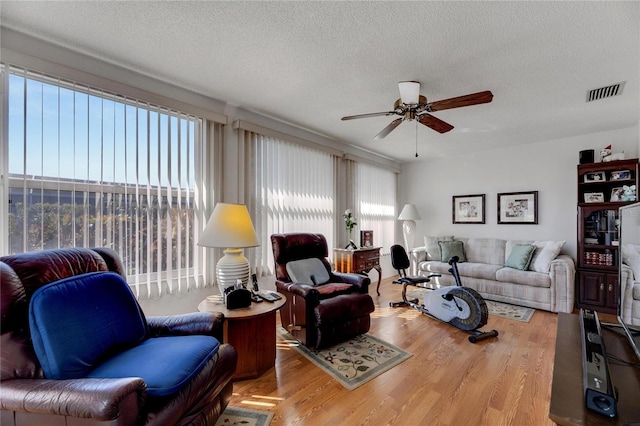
<point>608,182</point>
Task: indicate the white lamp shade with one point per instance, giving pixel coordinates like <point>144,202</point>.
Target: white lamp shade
<point>229,227</point>
<point>409,92</point>
<point>409,212</point>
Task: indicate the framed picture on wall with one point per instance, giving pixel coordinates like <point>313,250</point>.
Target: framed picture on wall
<point>518,208</point>
<point>468,208</point>
<point>366,239</point>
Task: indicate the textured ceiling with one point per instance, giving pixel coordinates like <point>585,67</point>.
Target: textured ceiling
<point>310,63</point>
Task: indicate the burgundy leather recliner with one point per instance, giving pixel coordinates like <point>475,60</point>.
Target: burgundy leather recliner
<point>319,315</point>
<point>28,398</point>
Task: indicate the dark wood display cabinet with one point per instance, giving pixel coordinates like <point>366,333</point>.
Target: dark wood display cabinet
<point>600,194</point>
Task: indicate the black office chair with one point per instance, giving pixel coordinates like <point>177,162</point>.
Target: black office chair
<point>400,262</point>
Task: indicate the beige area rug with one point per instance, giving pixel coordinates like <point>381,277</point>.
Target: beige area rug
<point>354,362</point>
<point>504,310</point>
<point>233,416</point>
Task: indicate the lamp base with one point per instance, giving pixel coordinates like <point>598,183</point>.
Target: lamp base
<point>409,231</point>
<point>231,267</point>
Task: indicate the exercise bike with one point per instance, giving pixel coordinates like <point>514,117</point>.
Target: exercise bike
<point>459,306</point>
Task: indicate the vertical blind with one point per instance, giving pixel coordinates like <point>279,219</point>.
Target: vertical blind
<point>88,168</point>
<point>374,199</point>
<point>289,188</point>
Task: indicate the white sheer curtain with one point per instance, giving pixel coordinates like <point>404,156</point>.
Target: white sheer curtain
<point>89,168</point>
<point>374,201</point>
<point>288,188</point>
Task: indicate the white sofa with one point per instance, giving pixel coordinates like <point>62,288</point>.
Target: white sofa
<point>548,283</point>
<point>630,284</point>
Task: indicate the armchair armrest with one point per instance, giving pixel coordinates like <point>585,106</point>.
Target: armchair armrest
<point>417,255</point>
<point>306,291</point>
<point>207,323</point>
<point>98,399</point>
<point>361,281</point>
<point>299,289</point>
<point>562,273</point>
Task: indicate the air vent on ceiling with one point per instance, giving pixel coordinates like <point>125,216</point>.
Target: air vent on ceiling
<point>605,92</point>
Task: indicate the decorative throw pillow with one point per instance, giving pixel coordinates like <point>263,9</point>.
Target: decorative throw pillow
<point>433,249</point>
<point>308,271</point>
<point>520,256</point>
<point>450,249</point>
<point>546,252</point>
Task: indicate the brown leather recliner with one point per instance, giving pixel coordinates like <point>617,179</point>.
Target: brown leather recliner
<point>319,314</point>
<point>28,398</point>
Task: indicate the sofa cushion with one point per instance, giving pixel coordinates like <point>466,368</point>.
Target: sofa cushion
<point>433,248</point>
<point>484,271</point>
<point>308,271</point>
<point>520,256</point>
<point>485,250</point>
<point>546,252</point>
<point>76,321</point>
<point>435,267</point>
<point>166,364</point>
<point>448,249</point>
<point>530,278</point>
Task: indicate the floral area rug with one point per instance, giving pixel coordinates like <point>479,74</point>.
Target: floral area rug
<point>234,416</point>
<point>504,310</point>
<point>354,362</point>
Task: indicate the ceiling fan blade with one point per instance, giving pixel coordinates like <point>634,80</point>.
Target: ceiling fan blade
<point>434,123</point>
<point>461,101</point>
<point>384,132</point>
<point>373,114</point>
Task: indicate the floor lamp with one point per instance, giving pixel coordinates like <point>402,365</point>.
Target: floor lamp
<point>230,227</point>
<point>409,215</point>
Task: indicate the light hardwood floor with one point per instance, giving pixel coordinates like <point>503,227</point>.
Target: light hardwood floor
<point>447,381</point>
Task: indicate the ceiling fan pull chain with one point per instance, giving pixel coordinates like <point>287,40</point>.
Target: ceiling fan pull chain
<point>416,138</point>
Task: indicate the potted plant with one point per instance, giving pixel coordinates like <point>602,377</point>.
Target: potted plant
<point>349,223</point>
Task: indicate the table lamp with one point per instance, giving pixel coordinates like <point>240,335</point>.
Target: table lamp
<point>409,215</point>
<point>230,227</point>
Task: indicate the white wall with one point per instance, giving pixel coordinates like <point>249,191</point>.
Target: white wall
<point>547,167</point>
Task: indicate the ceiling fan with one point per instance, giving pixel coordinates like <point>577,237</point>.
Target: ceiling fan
<point>413,106</point>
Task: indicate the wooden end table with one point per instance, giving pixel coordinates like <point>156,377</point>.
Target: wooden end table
<point>358,261</point>
<point>251,331</point>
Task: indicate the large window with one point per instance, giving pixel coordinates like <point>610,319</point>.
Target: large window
<point>289,188</point>
<point>88,168</point>
<point>374,196</point>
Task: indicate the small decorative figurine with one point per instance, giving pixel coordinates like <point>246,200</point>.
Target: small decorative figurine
<point>606,155</point>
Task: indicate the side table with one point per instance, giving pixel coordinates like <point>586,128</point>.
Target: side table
<point>251,331</point>
<point>358,261</point>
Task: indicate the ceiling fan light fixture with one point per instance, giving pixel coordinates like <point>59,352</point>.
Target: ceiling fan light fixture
<point>409,92</point>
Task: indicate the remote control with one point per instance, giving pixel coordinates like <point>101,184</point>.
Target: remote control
<point>269,296</point>
<point>254,279</point>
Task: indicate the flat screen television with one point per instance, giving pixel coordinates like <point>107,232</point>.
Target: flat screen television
<point>629,260</point>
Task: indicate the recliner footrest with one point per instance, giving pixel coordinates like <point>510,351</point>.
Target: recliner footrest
<point>344,307</point>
